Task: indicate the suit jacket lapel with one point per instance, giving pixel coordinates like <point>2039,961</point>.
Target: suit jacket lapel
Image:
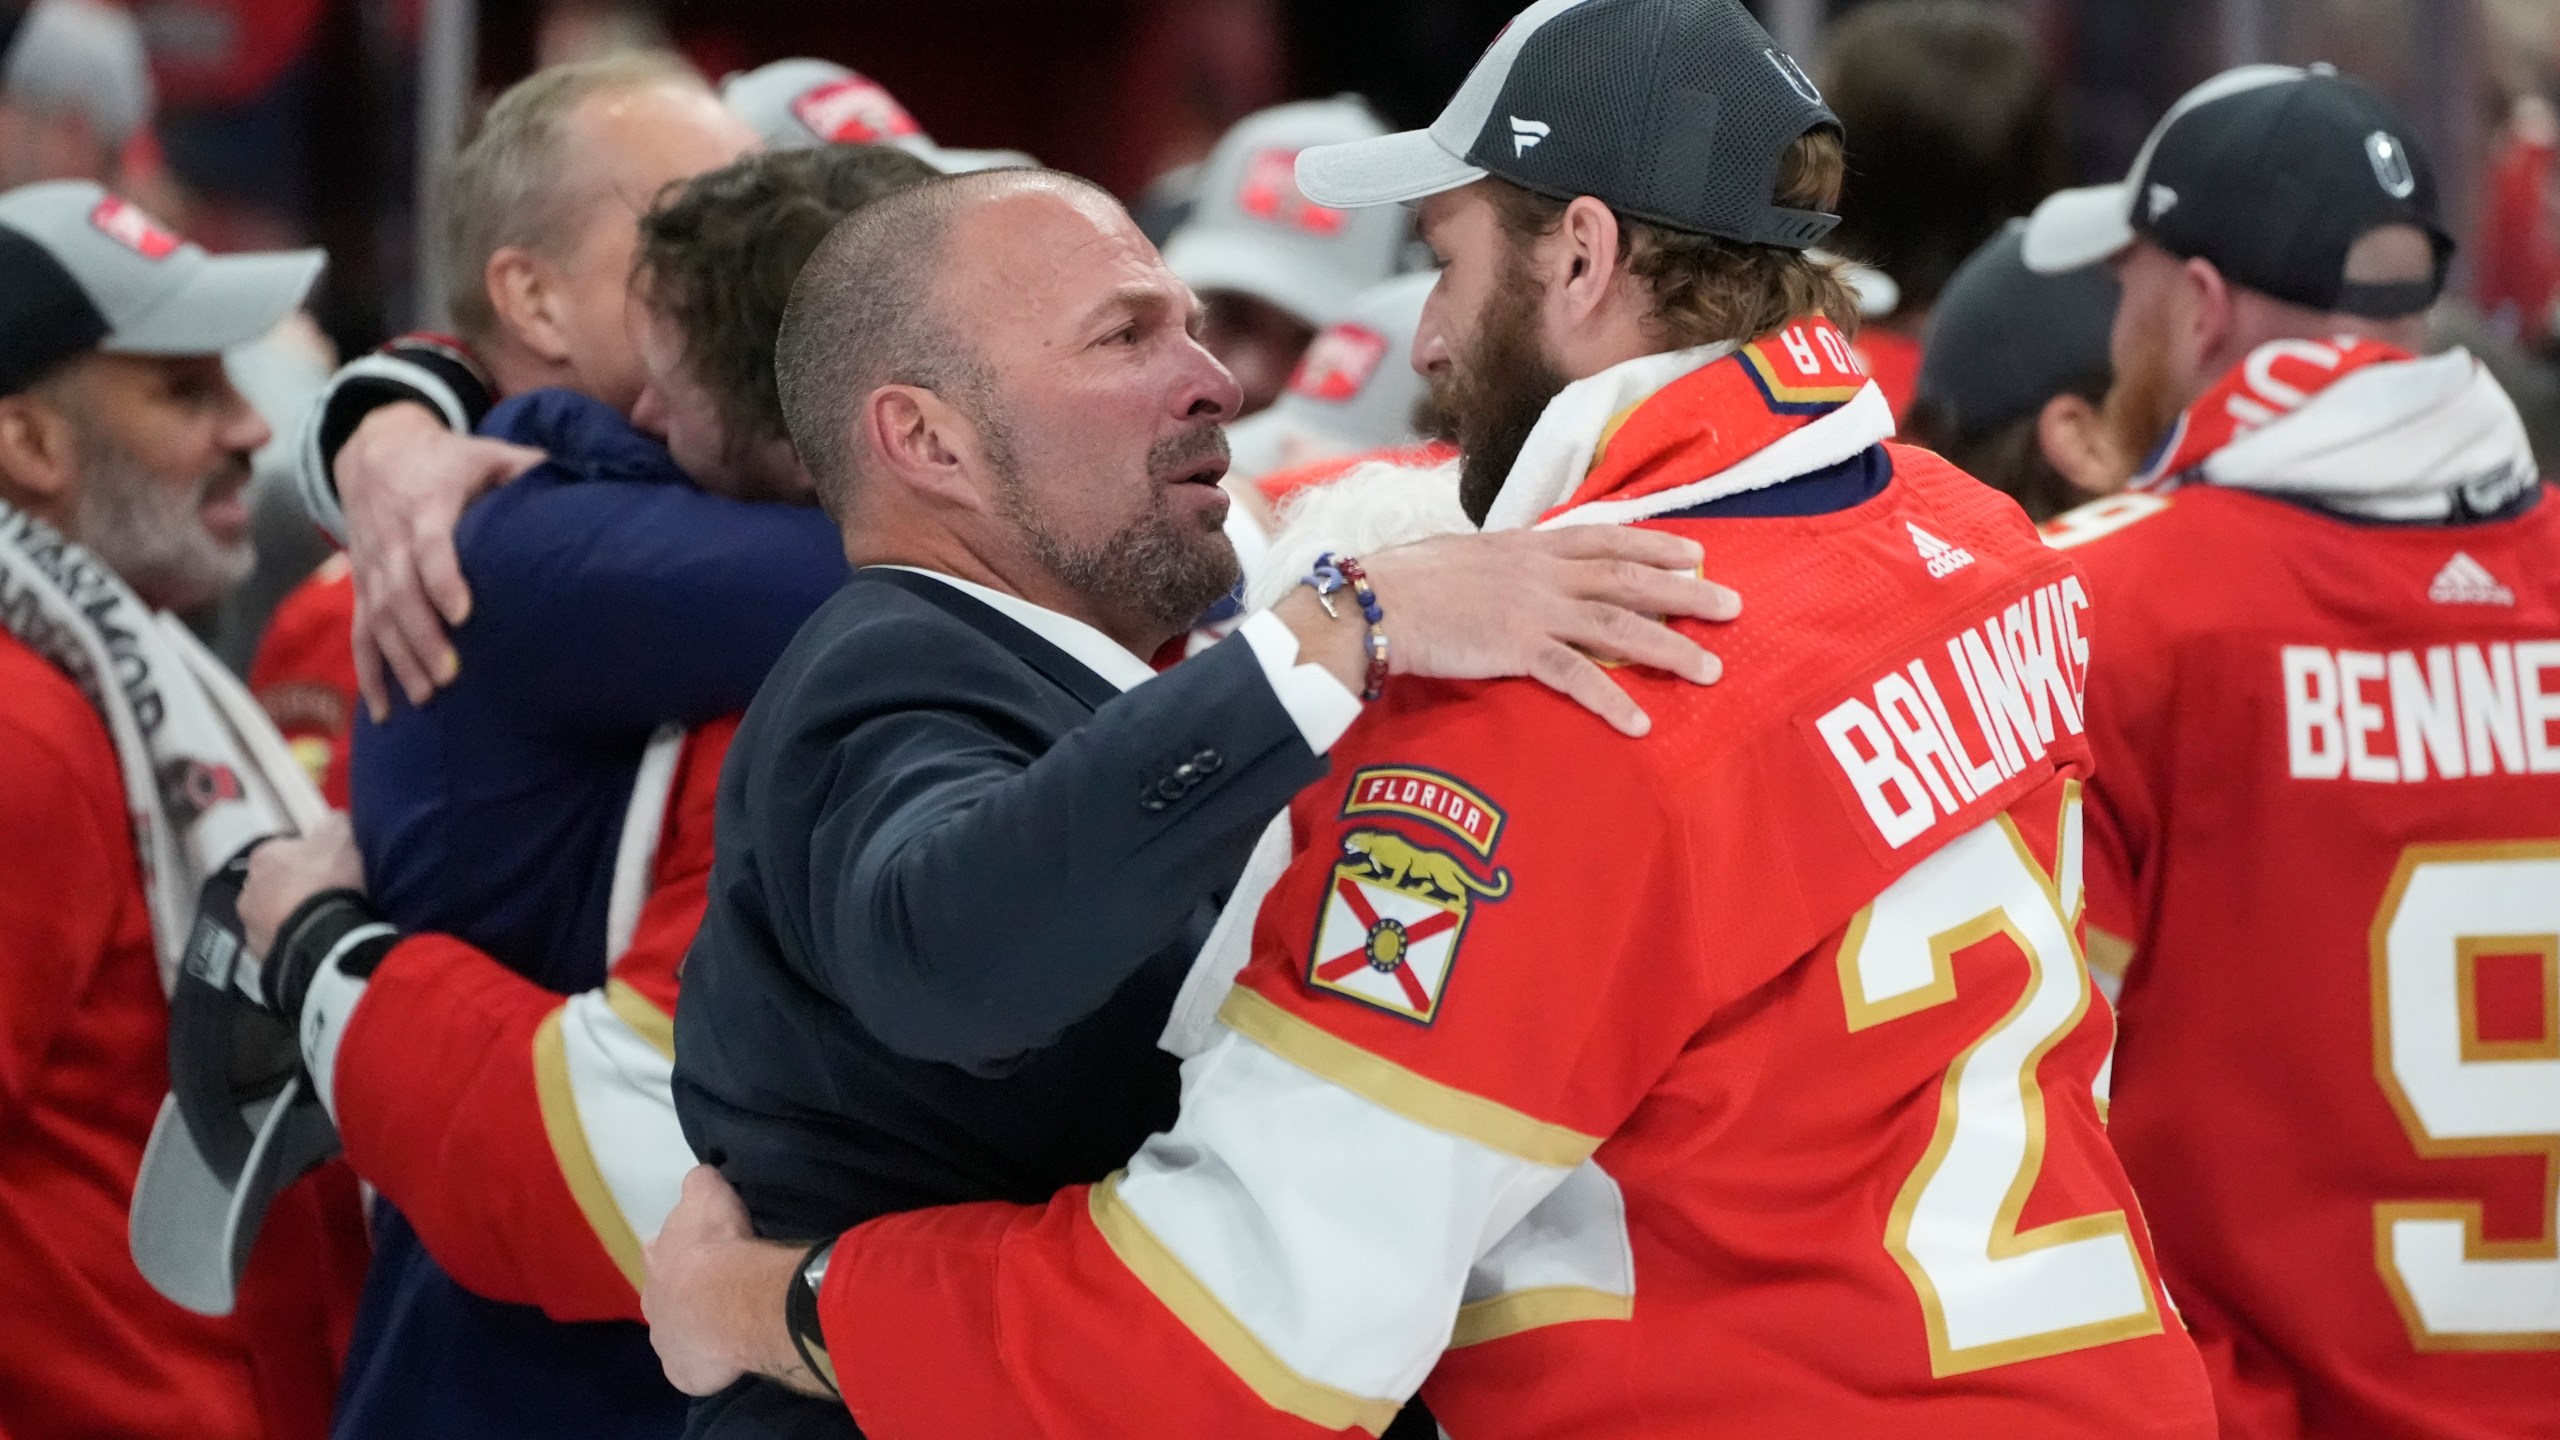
<point>1063,670</point>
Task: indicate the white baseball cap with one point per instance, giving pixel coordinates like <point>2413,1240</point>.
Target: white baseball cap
<point>1354,390</point>
<point>1255,233</point>
<point>82,269</point>
<point>797,104</point>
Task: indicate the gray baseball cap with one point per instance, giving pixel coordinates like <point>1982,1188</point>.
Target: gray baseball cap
<point>1355,389</point>
<point>799,103</point>
<point>81,270</point>
<point>1254,233</point>
<point>79,55</point>
<point>1672,111</point>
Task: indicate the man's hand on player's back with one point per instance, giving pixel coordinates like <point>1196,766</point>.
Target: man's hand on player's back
<point>405,480</point>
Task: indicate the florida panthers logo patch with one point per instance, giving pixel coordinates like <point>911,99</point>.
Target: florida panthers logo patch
<point>1392,921</point>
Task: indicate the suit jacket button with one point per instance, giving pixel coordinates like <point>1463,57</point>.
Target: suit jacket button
<point>1207,762</point>
<point>1187,773</point>
<point>1147,801</point>
<point>1171,789</point>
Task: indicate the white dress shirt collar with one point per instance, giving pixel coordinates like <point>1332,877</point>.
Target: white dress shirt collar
<point>1089,647</point>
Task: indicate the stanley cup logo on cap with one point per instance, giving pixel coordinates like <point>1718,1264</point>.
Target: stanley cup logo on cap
<point>127,225</point>
<point>2390,164</point>
<point>1793,74</point>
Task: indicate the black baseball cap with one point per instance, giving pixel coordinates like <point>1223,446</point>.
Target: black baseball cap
<point>1672,111</point>
<point>2002,339</point>
<point>82,270</point>
<point>2272,173</point>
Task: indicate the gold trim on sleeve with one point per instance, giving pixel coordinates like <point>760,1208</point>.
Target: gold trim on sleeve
<point>1383,1082</point>
<point>2110,954</point>
<point>1502,1315</point>
<point>643,1016</point>
<point>1208,1318</point>
<point>569,1148</point>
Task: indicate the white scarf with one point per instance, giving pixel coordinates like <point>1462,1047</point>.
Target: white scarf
<point>204,771</point>
<point>2396,440</point>
<point>1382,505</point>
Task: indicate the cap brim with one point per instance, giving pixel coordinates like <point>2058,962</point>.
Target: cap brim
<point>191,1232</point>
<point>2074,229</point>
<point>233,300</point>
<point>1387,170</point>
<point>1209,259</point>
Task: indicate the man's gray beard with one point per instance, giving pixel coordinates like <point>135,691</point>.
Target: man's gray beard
<point>1151,566</point>
<point>152,538</point>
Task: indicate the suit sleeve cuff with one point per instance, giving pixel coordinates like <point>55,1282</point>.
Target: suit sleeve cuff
<point>1318,704</point>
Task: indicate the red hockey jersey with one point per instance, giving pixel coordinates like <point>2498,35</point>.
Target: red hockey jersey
<point>2325,827</point>
<point>558,1110</point>
<point>1736,1080</point>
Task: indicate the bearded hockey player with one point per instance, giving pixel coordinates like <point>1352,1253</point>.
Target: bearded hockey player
<point>2324,834</point>
<point>1734,1080</point>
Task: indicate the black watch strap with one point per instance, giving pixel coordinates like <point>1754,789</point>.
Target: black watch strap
<point>800,1312</point>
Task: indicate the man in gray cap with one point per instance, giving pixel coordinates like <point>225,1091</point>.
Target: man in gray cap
<point>75,89</point>
<point>1596,1087</point>
<point>1272,266</point>
<point>131,766</point>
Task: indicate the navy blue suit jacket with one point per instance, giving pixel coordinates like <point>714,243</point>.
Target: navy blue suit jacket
<point>960,879</point>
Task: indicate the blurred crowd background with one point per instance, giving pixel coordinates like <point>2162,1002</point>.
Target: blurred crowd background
<point>263,123</point>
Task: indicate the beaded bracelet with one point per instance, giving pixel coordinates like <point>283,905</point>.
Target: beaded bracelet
<point>1374,684</point>
<point>1331,575</point>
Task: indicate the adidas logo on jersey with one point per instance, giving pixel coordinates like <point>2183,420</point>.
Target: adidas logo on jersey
<point>2465,581</point>
<point>1944,559</point>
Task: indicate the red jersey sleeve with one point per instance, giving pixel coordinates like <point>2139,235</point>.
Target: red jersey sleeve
<point>1426,1043</point>
<point>560,1110</point>
<point>2131,694</point>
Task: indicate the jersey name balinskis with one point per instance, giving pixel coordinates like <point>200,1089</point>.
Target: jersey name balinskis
<point>1923,741</point>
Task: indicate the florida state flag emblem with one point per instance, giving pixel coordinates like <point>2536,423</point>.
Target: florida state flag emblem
<point>1397,908</point>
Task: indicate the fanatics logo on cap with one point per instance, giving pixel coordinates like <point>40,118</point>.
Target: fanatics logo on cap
<point>1525,135</point>
<point>126,224</point>
<point>854,111</point>
<point>1270,192</point>
<point>1337,367</point>
<point>1944,559</point>
<point>2465,581</point>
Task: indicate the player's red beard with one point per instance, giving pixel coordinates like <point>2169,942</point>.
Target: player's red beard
<point>1496,386</point>
<point>2146,397</point>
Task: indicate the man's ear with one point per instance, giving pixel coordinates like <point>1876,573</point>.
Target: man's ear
<point>2211,314</point>
<point>2072,432</point>
<point>39,455</point>
<point>527,302</point>
<point>1584,250</point>
<point>915,439</point>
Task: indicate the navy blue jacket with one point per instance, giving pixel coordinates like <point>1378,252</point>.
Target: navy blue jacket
<point>960,879</point>
<point>609,596</point>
